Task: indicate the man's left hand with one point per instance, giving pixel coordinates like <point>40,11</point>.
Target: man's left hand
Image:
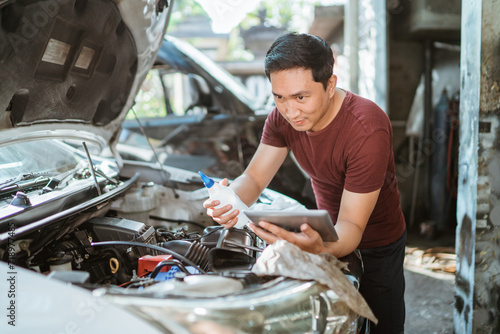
<point>308,239</point>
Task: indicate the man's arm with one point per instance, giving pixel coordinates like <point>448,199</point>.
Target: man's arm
<point>355,210</point>
<point>259,173</point>
<point>248,186</point>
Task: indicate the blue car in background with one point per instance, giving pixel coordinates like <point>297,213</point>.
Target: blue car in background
<point>199,117</point>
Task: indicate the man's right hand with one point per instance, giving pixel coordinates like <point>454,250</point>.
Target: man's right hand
<point>249,185</point>
<point>221,215</point>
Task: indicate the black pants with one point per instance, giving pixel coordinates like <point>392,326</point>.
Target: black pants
<point>383,285</point>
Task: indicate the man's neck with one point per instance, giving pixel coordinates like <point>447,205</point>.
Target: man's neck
<point>337,100</point>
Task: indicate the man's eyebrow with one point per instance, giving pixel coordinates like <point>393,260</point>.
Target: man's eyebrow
<point>299,93</point>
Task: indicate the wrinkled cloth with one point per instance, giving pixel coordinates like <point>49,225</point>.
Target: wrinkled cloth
<point>281,259</point>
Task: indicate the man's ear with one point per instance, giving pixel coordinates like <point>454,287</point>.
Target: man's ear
<point>332,84</point>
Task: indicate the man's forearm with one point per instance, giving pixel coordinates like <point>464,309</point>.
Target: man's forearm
<point>246,188</point>
<point>349,238</point>
<point>260,171</point>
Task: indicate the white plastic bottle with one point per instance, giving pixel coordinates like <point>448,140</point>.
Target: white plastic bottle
<point>226,196</point>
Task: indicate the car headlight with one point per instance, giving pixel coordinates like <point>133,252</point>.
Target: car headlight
<point>279,306</point>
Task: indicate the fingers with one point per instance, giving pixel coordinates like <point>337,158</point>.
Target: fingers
<point>230,223</point>
<point>276,230</point>
<point>309,240</point>
<point>263,234</point>
<point>214,212</point>
<point>222,215</point>
<point>223,211</point>
<point>210,204</point>
<point>228,220</point>
<point>309,231</point>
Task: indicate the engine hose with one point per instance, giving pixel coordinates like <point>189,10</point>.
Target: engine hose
<point>199,254</point>
<point>194,251</point>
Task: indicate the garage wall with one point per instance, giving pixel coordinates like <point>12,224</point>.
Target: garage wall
<point>477,289</point>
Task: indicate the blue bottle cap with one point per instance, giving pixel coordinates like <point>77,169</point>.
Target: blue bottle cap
<point>208,182</point>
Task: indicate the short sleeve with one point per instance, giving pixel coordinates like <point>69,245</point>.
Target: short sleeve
<point>274,129</point>
<point>367,162</point>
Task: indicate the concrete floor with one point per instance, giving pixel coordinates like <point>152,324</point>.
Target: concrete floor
<point>429,304</point>
<point>429,295</point>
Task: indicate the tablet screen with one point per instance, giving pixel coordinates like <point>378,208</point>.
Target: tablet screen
<point>319,220</point>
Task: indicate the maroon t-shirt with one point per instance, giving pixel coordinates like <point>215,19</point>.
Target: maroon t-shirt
<point>353,152</point>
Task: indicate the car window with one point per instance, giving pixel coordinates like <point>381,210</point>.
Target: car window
<point>150,101</point>
<point>166,93</point>
<point>186,93</point>
<point>215,70</point>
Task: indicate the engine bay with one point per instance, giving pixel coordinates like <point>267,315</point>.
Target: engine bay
<point>114,251</point>
<point>137,233</point>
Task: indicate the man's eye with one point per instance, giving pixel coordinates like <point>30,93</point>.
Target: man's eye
<point>300,98</point>
<point>278,97</point>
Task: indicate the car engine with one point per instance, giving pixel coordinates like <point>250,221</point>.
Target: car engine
<point>144,234</point>
<point>123,252</point>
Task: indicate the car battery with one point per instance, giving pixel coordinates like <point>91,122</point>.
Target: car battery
<point>147,263</point>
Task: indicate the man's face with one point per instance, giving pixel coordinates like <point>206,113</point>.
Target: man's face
<point>304,103</point>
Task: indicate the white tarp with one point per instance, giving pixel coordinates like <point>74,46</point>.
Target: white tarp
<point>227,14</point>
<point>281,258</point>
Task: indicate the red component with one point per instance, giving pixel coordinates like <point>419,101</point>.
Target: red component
<point>148,263</point>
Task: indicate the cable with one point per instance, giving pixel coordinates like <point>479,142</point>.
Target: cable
<point>158,248</point>
<point>160,165</point>
<point>165,263</point>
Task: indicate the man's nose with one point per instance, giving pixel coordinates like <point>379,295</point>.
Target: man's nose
<point>292,110</point>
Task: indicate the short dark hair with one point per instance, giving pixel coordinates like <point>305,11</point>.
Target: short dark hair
<point>294,50</point>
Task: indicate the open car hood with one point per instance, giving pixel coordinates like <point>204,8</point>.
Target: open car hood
<point>71,68</point>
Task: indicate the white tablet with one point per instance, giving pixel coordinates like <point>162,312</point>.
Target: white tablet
<point>291,220</point>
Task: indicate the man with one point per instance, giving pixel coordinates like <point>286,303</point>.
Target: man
<point>344,143</point>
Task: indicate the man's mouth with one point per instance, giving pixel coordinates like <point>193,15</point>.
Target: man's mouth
<point>298,122</point>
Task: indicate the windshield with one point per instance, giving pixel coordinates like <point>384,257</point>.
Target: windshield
<point>224,77</point>
<point>42,156</point>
